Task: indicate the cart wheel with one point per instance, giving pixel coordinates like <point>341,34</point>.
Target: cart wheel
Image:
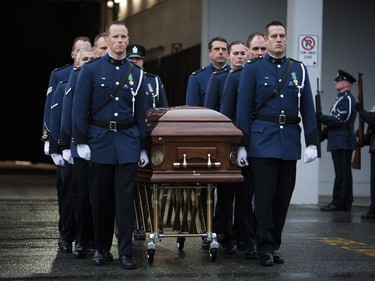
<point>180,243</point>
<point>150,255</point>
<point>213,254</point>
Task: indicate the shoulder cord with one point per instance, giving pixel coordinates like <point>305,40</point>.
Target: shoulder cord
<point>156,92</point>
<point>134,93</point>
<point>301,87</point>
<point>276,90</point>
<point>350,107</point>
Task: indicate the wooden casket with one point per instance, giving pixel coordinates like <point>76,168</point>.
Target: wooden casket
<point>191,145</point>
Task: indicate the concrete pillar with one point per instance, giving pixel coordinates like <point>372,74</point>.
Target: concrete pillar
<point>304,33</point>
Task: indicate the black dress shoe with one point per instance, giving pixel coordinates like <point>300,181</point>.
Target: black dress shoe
<point>266,260</point>
<point>128,262</point>
<point>251,253</point>
<point>277,257</point>
<point>79,251</point>
<point>108,256</point>
<point>369,216</point>
<point>332,208</point>
<point>65,247</point>
<point>139,234</point>
<point>98,258</point>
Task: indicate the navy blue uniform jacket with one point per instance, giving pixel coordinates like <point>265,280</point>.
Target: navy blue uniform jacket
<point>96,81</point>
<point>268,139</point>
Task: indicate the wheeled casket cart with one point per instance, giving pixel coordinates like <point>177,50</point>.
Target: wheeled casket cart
<point>190,148</point>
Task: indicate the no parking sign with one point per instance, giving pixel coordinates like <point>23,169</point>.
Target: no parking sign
<point>308,49</point>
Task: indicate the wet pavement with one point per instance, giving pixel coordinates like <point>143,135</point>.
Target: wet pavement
<point>316,245</point>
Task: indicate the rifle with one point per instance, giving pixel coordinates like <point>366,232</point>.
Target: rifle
<point>319,125</point>
<point>356,163</point>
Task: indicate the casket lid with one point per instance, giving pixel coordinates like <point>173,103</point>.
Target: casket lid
<point>191,121</point>
<point>186,113</point>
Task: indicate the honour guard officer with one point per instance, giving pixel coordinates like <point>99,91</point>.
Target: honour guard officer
<point>369,139</point>
<point>198,80</point>
<point>197,86</point>
<point>341,141</point>
<point>156,95</point>
<point>256,48</point>
<point>225,192</point>
<point>57,75</point>
<point>272,92</point>
<point>81,200</point>
<point>244,212</point>
<point>109,129</point>
<point>67,208</point>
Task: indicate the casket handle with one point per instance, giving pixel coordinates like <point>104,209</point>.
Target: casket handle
<point>185,164</point>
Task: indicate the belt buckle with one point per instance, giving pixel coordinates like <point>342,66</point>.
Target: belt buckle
<point>112,126</point>
<point>282,118</point>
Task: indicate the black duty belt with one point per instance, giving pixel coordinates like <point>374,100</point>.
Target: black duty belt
<point>281,119</point>
<point>112,125</point>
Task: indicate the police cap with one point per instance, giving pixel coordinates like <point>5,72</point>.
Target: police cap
<point>135,51</point>
<point>343,75</point>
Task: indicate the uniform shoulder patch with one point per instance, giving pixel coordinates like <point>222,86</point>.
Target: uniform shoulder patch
<point>199,70</point>
<point>254,60</point>
<point>220,71</point>
<point>150,74</point>
<point>61,67</point>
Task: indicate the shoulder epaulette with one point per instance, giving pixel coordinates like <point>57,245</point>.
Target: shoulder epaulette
<point>254,59</point>
<point>150,74</point>
<point>199,70</point>
<point>220,71</point>
<point>235,70</point>
<point>95,59</point>
<point>295,60</point>
<point>61,67</point>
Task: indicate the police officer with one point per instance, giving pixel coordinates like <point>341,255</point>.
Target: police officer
<point>272,92</point>
<point>82,208</point>
<point>244,223</point>
<point>156,95</point>
<point>341,141</point>
<point>225,192</point>
<point>109,129</point>
<point>196,92</point>
<point>198,80</point>
<point>58,75</point>
<point>369,139</point>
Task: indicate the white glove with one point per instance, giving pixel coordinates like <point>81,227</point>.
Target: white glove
<point>67,155</point>
<point>310,154</point>
<point>242,157</point>
<point>84,151</point>
<point>46,147</point>
<point>57,159</point>
<point>143,159</point>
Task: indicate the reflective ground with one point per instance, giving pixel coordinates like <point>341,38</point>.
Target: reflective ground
<point>316,245</point>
